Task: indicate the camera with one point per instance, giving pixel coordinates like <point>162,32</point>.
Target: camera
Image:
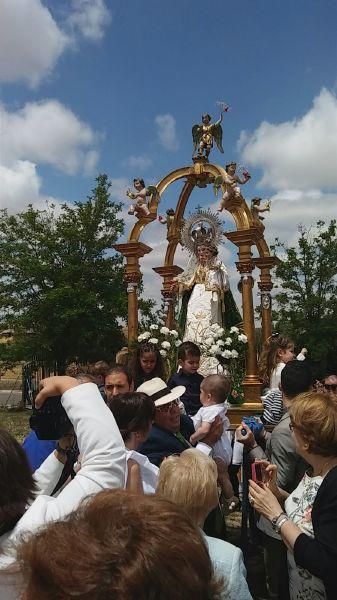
<point>50,422</point>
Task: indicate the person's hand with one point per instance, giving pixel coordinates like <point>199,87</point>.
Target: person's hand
<point>215,432</point>
<point>247,439</point>
<point>263,500</point>
<point>67,441</point>
<point>54,386</point>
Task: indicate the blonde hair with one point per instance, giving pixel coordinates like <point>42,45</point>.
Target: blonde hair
<point>190,480</point>
<point>314,415</point>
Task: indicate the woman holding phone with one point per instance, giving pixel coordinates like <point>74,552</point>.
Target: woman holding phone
<point>307,518</point>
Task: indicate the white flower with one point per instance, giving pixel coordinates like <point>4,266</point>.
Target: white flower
<point>140,338</point>
<point>226,354</point>
<point>228,341</point>
<point>220,331</point>
<point>214,348</point>
<point>163,353</point>
<point>214,328</point>
<point>209,341</point>
<point>174,333</point>
<point>153,341</point>
<point>243,338</point>
<point>154,326</point>
<point>235,354</point>
<point>164,330</point>
<point>220,343</point>
<point>178,343</point>
<point>234,330</point>
<point>146,335</point>
<point>166,345</point>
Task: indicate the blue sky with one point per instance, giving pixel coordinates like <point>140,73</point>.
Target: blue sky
<point>86,84</point>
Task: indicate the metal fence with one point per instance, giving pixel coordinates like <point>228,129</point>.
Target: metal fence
<point>32,373</point>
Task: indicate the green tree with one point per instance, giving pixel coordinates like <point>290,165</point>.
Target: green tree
<point>61,284</point>
<point>306,308</point>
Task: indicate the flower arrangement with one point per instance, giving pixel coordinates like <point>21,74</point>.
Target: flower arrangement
<point>167,340</point>
<point>228,347</point>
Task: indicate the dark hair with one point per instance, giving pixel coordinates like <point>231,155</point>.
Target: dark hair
<point>268,358</point>
<point>101,367</point>
<point>121,369</point>
<point>187,349</point>
<point>141,181</point>
<point>230,165</point>
<point>206,116</point>
<point>218,386</point>
<point>133,411</point>
<point>17,482</point>
<point>131,543</point>
<point>135,367</point>
<point>296,378</point>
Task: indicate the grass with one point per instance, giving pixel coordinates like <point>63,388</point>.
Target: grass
<point>16,422</point>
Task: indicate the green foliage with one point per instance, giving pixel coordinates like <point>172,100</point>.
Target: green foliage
<point>306,308</point>
<point>61,284</point>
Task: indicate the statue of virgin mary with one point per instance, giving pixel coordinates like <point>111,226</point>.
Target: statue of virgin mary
<point>204,288</point>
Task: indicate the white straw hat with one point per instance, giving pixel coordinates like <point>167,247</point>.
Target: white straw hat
<point>157,389</point>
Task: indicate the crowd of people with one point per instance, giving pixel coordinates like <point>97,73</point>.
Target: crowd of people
<point>151,476</point>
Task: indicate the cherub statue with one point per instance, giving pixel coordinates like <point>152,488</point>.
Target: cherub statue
<point>256,210</point>
<point>203,135</point>
<point>231,184</point>
<point>140,208</point>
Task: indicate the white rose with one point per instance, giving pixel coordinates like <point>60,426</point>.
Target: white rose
<point>226,354</point>
<point>234,330</point>
<point>235,354</point>
<point>154,326</point>
<point>220,331</point>
<point>163,353</point>
<point>166,345</point>
<point>243,338</point>
<point>178,343</point>
<point>153,341</point>
<point>164,330</point>
<point>209,341</point>
<point>174,333</point>
<point>228,341</point>
<point>140,338</point>
<point>220,343</point>
<point>214,348</point>
<point>146,335</point>
<point>214,328</point>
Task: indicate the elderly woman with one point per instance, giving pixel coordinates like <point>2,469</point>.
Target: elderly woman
<point>308,521</point>
<point>122,546</point>
<point>190,480</point>
<point>134,414</point>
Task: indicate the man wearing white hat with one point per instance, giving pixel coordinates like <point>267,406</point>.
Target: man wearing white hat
<point>171,430</point>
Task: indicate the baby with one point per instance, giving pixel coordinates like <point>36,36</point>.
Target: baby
<point>214,390</point>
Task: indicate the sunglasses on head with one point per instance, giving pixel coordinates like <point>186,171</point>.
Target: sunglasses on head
<point>167,407</point>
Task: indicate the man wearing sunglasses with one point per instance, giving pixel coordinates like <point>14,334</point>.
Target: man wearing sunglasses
<point>330,385</point>
<point>171,430</point>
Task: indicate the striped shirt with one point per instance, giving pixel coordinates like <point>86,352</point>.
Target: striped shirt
<point>273,407</point>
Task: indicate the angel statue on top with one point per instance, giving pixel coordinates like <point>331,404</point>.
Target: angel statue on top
<point>203,287</point>
<point>140,208</point>
<point>204,133</point>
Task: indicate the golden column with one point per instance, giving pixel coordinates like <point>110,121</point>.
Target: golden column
<point>265,264</point>
<point>244,239</point>
<point>132,251</point>
<point>169,295</point>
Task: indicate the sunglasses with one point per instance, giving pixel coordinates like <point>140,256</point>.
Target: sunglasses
<point>332,387</point>
<point>167,407</point>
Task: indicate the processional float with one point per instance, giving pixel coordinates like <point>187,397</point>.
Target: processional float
<point>249,233</point>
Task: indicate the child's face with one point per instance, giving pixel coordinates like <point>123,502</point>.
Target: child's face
<point>148,362</point>
<point>286,354</point>
<point>190,364</point>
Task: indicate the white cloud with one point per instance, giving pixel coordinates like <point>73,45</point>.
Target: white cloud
<point>89,18</point>
<point>20,185</point>
<point>298,154</point>
<point>166,131</point>
<point>30,41</point>
<point>138,162</point>
<point>47,132</point>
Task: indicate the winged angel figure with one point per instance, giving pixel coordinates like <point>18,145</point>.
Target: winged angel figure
<point>203,135</point>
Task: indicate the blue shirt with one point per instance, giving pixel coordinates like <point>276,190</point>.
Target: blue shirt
<point>37,450</point>
<point>192,382</point>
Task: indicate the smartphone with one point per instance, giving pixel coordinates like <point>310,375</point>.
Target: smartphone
<point>257,473</point>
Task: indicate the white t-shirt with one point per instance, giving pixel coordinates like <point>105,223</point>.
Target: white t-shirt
<point>221,449</point>
<point>148,471</point>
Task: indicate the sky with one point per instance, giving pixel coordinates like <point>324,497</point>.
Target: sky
<point>113,86</point>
